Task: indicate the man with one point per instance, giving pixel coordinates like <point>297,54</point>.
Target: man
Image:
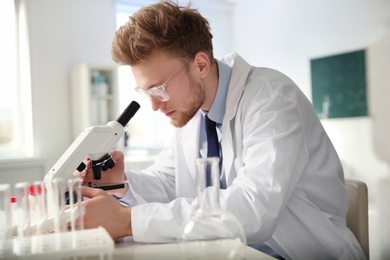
<point>281,175</point>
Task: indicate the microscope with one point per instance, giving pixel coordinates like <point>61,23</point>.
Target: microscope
<point>94,142</point>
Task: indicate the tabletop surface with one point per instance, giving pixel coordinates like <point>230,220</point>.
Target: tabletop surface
<point>127,248</point>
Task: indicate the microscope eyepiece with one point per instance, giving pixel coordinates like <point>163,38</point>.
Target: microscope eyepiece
<point>128,113</point>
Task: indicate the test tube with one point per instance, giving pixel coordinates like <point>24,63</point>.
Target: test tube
<point>76,208</point>
<point>58,204</point>
<point>40,207</point>
<point>22,209</point>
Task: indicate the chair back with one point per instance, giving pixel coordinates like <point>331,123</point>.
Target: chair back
<point>357,216</point>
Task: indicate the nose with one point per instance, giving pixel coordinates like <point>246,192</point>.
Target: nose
<point>156,103</point>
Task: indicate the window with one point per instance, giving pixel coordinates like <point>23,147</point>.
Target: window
<point>15,135</point>
<point>8,86</point>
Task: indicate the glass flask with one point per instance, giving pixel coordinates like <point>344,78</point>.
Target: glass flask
<point>210,232</point>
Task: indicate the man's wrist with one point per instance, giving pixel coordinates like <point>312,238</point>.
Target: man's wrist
<point>126,220</point>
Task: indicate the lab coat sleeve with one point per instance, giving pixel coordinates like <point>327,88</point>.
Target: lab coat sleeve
<point>160,222</point>
<point>155,183</point>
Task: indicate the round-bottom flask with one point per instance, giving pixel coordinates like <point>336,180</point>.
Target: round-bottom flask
<point>211,232</point>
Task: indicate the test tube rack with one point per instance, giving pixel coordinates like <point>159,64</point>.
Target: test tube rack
<point>45,226</point>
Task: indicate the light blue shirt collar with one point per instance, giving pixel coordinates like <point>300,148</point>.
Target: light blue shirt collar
<point>217,110</point>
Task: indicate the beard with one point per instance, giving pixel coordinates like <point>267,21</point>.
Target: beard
<point>194,102</point>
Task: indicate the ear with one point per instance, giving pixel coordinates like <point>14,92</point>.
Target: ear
<point>202,63</point>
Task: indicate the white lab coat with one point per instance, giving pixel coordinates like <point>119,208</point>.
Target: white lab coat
<point>284,179</point>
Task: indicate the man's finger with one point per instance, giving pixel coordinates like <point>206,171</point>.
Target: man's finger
<point>117,155</point>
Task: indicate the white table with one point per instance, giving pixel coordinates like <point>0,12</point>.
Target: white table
<point>128,249</point>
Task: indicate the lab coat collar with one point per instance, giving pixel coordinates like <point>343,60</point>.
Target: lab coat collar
<point>238,79</point>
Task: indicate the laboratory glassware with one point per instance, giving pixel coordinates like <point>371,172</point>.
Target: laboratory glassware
<point>210,232</point>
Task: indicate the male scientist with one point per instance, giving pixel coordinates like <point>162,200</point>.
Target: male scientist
<point>281,176</point>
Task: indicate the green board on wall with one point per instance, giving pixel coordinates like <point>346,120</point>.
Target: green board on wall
<point>339,85</point>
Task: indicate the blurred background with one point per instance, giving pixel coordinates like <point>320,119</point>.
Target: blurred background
<point>51,49</point>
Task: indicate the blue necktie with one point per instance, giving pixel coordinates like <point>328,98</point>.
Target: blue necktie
<point>212,138</point>
<point>212,144</point>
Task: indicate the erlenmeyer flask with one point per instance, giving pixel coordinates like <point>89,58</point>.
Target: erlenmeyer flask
<point>211,232</point>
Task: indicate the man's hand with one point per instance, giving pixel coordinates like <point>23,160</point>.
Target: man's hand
<point>114,175</point>
<point>105,211</point>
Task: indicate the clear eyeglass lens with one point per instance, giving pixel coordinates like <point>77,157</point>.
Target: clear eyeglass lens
<point>155,92</point>
<point>163,97</point>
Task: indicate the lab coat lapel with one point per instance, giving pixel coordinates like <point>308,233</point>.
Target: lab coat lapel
<point>239,76</point>
<point>189,139</point>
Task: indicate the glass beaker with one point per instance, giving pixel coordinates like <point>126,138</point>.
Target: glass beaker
<point>211,232</point>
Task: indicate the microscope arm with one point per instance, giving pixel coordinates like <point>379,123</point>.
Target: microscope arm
<point>95,142</point>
